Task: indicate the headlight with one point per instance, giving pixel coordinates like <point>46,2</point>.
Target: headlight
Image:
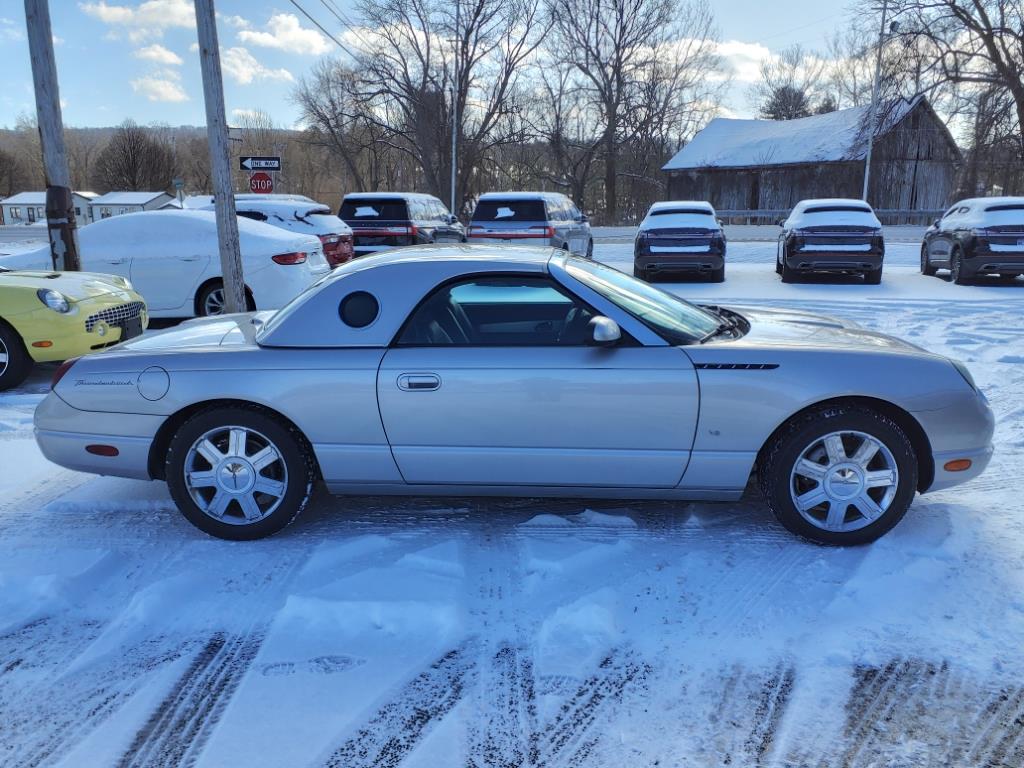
<point>962,369</point>
<point>55,300</point>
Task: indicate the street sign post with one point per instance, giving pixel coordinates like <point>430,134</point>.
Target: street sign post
<point>261,183</point>
<point>249,163</point>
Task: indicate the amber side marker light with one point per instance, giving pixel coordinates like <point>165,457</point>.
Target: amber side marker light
<point>102,450</point>
<point>958,465</point>
<point>43,344</point>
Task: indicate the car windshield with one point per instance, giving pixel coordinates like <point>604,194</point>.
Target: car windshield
<point>509,210</point>
<point>356,209</point>
<point>675,320</point>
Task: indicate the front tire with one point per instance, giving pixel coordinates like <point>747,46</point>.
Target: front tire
<point>239,473</point>
<point>840,475</point>
<point>15,363</point>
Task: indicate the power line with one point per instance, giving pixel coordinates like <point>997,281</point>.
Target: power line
<point>321,27</point>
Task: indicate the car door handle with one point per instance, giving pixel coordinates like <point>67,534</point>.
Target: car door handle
<point>419,382</point>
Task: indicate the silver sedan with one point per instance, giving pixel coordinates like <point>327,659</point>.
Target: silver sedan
<point>491,370</point>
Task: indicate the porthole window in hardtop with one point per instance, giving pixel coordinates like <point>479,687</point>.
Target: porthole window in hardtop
<point>359,309</point>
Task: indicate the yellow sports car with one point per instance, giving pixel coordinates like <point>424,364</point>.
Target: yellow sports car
<point>50,316</point>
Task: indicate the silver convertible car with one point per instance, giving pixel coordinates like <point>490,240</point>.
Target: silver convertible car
<point>505,371</point>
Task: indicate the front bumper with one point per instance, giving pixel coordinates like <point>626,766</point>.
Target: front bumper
<point>63,433</point>
<point>681,263</point>
<point>834,261</point>
<point>66,335</point>
<point>963,430</point>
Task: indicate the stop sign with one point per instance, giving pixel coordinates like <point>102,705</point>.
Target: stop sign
<point>261,182</point>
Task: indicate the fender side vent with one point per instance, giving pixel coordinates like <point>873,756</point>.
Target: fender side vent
<point>736,366</point>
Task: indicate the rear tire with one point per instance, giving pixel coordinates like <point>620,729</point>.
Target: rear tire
<point>956,269</point>
<point>788,275</point>
<point>210,300</point>
<point>873,277</point>
<point>590,250</point>
<point>239,473</point>
<point>640,274</point>
<point>718,275</point>
<point>926,269</point>
<point>15,363</point>
<point>830,492</point>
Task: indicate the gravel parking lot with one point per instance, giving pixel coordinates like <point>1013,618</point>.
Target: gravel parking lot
<point>379,632</point>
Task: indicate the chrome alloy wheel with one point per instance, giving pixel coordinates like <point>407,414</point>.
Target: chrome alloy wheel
<point>213,304</point>
<point>235,475</point>
<point>4,357</point>
<point>844,481</point>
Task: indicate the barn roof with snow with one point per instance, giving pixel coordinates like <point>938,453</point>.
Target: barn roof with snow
<point>832,137</point>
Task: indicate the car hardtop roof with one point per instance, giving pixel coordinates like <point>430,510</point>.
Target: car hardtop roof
<point>990,201</point>
<point>523,196</point>
<point>825,201</point>
<point>704,205</point>
<point>477,258</point>
<point>389,196</point>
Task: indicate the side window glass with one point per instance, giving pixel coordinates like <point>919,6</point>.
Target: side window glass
<point>498,312</point>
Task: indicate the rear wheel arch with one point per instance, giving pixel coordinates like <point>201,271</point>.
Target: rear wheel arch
<point>904,419</point>
<point>162,440</point>
<point>249,300</point>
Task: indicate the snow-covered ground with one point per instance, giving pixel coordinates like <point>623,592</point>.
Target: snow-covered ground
<point>416,633</point>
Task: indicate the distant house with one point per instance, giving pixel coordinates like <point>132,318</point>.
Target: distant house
<point>30,207</point>
<point>117,203</point>
<point>773,164</point>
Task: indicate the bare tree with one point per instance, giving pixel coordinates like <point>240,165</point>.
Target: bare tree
<point>789,83</point>
<point>135,159</point>
<point>978,44</point>
<point>615,46</point>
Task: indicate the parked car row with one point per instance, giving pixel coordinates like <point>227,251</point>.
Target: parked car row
<point>982,236</point>
<point>381,221</point>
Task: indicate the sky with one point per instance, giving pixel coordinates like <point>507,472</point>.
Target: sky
<point>119,59</point>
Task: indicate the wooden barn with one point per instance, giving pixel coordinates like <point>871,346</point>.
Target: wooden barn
<point>772,164</point>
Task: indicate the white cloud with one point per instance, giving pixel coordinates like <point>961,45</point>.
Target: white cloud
<point>161,86</point>
<point>146,20</point>
<point>159,54</point>
<point>743,60</point>
<point>284,32</point>
<point>238,22</point>
<point>194,47</point>
<point>10,31</point>
<point>242,67</point>
<point>58,40</point>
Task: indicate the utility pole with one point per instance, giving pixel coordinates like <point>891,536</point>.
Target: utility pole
<point>872,125</point>
<point>220,160</point>
<point>455,96</point>
<point>60,206</point>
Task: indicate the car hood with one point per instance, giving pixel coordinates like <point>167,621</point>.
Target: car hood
<point>222,331</point>
<point>785,327</point>
<point>74,285</point>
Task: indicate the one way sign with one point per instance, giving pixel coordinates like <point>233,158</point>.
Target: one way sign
<point>259,163</point>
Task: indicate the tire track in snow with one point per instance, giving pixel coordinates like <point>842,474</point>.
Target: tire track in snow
<point>503,732</point>
<point>177,731</point>
<point>397,727</point>
<point>183,722</point>
<point>570,739</point>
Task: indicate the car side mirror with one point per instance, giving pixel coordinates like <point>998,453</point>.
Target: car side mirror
<point>584,218</point>
<point>603,332</point>
<point>781,222</point>
<point>720,222</point>
<point>936,222</point>
<point>453,219</point>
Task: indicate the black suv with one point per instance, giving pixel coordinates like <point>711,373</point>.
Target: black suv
<point>384,220</point>
<point>981,236</point>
